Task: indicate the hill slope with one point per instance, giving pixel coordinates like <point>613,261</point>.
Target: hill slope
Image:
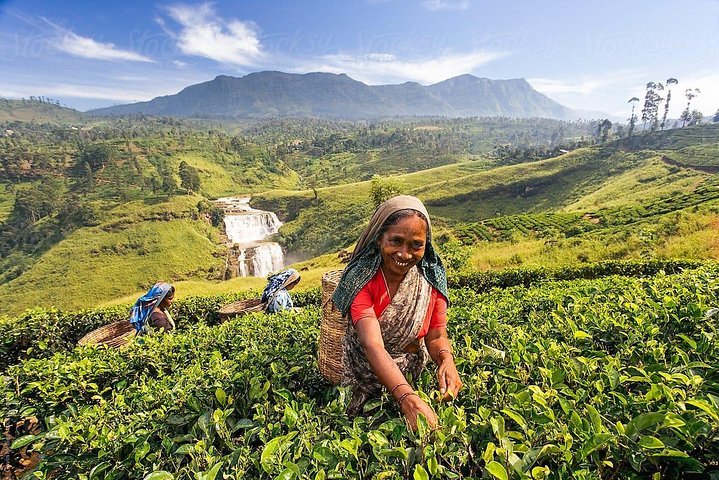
<point>37,112</point>
<point>136,247</point>
<point>272,94</point>
<point>606,179</point>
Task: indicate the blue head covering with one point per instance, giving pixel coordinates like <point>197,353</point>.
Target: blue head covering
<point>144,305</point>
<point>278,282</point>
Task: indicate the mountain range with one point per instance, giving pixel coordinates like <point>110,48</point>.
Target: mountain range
<point>328,95</point>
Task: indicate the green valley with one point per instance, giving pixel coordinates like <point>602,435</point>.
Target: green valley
<point>582,273</point>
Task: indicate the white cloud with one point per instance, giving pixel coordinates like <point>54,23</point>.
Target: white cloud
<point>377,68</point>
<point>588,84</point>
<point>74,44</point>
<point>203,33</point>
<point>435,5</point>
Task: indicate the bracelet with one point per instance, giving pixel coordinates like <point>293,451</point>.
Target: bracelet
<point>391,392</point>
<point>405,395</point>
<point>444,350</point>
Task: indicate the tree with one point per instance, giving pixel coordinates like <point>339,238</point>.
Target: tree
<point>690,93</point>
<point>38,201</point>
<point>169,184</point>
<point>189,178</point>
<point>632,118</point>
<point>382,189</point>
<point>669,82</point>
<point>695,117</point>
<point>650,111</point>
<point>603,130</point>
<point>97,156</point>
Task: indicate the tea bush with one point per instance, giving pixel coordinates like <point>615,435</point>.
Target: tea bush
<point>605,378</point>
<point>41,332</point>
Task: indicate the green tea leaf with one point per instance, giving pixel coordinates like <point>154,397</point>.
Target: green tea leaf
<point>212,473</point>
<point>649,441</point>
<point>268,453</point>
<point>642,422</point>
<point>420,473</point>
<point>688,341</point>
<point>160,475</point>
<point>703,405</point>
<point>185,449</point>
<point>221,396</point>
<point>22,441</point>
<point>580,335</point>
<point>497,470</point>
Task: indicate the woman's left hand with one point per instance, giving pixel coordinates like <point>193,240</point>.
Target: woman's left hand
<point>448,378</point>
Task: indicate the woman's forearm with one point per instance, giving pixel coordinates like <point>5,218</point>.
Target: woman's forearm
<point>385,368</point>
<point>438,345</point>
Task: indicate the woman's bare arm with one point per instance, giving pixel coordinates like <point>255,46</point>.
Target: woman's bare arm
<point>389,375</point>
<point>441,352</point>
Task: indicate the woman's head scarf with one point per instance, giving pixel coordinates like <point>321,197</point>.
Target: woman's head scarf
<point>367,258</point>
<point>144,305</point>
<point>278,282</point>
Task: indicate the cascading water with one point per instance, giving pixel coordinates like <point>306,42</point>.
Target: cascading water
<point>246,229</point>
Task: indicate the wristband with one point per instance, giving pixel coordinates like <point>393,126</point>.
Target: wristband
<point>391,392</point>
<point>405,395</point>
<point>444,350</point>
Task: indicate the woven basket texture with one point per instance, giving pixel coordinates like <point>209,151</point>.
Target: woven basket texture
<point>241,307</point>
<point>332,331</point>
<point>113,335</point>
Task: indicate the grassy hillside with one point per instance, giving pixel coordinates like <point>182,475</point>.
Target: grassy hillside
<point>136,247</point>
<point>593,203</point>
<point>687,234</point>
<point>587,180</point>
<point>37,112</point>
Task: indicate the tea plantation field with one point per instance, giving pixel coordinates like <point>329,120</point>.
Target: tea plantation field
<point>611,377</point>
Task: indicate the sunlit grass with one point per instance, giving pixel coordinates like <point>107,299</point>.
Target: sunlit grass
<point>653,179</point>
<point>91,265</point>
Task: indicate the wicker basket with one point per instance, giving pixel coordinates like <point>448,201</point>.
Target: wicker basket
<point>332,331</point>
<point>241,307</point>
<point>113,335</point>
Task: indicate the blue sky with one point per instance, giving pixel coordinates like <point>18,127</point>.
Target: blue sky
<point>587,55</point>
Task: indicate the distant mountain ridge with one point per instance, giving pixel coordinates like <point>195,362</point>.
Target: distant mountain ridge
<point>328,95</point>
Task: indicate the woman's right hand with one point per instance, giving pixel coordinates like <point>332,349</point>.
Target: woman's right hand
<point>412,406</point>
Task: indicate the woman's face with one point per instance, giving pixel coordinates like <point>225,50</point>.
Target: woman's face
<point>402,245</point>
<point>166,302</point>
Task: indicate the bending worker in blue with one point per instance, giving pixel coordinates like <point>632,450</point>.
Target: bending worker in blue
<point>276,293</point>
<point>150,310</point>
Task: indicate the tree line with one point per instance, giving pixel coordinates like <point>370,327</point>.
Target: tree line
<point>654,101</point>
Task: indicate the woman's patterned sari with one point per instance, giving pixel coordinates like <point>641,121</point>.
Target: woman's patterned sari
<point>400,324</point>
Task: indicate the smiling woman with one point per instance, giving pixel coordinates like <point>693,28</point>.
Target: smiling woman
<point>395,292</point>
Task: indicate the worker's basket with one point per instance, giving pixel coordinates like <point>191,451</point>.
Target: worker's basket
<point>241,307</point>
<point>332,331</point>
<point>113,335</point>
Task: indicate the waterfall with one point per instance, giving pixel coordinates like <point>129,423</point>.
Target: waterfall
<point>242,263</point>
<point>251,226</point>
<point>248,228</point>
<point>268,258</point>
